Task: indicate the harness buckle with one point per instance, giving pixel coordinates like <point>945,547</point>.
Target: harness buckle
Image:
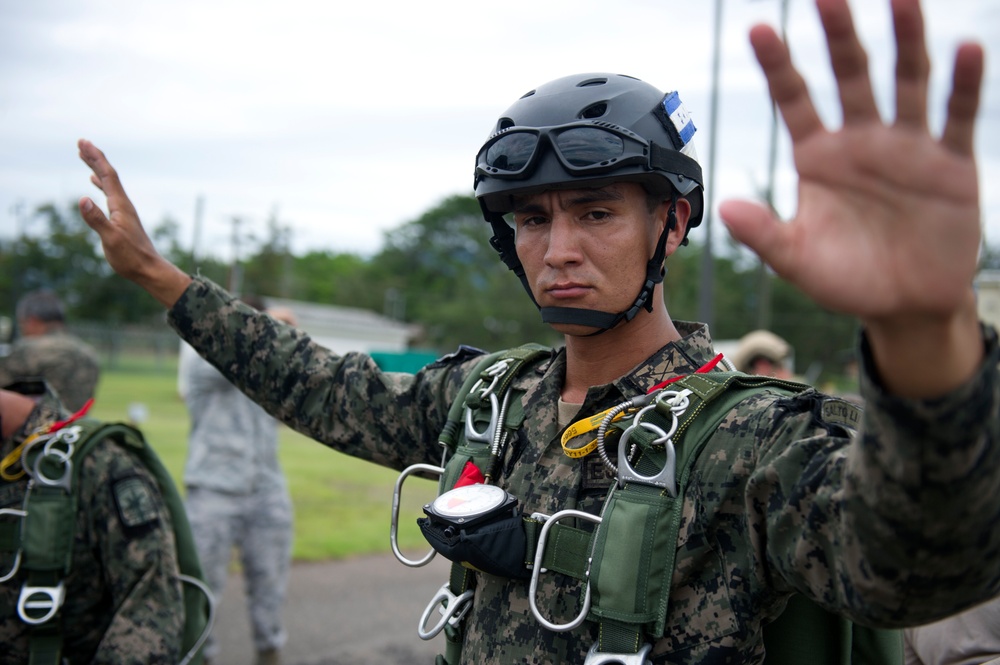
<point>676,402</point>
<point>595,657</point>
<point>20,514</point>
<point>453,609</point>
<point>397,493</point>
<point>47,599</point>
<point>55,455</point>
<point>537,569</point>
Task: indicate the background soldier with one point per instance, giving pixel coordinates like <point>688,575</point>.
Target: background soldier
<point>47,350</point>
<point>123,601</point>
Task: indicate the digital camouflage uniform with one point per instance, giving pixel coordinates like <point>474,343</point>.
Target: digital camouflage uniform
<point>894,528</point>
<point>68,364</point>
<point>237,497</point>
<point>123,597</point>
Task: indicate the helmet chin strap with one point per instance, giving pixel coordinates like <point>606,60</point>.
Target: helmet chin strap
<point>591,318</point>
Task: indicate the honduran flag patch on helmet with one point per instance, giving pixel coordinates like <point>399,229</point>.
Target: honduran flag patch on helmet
<point>681,126</point>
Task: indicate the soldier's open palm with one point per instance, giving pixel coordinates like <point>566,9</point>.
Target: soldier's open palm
<point>888,220</point>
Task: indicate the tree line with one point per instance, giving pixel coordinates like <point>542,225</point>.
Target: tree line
<point>437,270</point>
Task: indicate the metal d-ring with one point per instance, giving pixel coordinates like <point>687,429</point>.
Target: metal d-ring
<point>595,657</point>
<point>397,493</point>
<point>537,569</point>
<point>21,514</point>
<point>452,608</point>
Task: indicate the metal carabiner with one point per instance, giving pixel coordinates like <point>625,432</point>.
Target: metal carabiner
<point>487,435</point>
<point>57,455</point>
<point>397,493</point>
<point>537,570</point>
<point>453,609</point>
<point>677,402</point>
<point>17,512</point>
<point>46,598</point>
<point>666,477</point>
<point>595,657</point>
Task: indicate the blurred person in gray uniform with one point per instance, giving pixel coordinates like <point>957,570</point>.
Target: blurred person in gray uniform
<point>237,495</point>
<point>47,350</point>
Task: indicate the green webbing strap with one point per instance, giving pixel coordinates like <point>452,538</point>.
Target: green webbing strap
<point>453,426</point>
<point>46,543</point>
<point>567,548</point>
<point>641,522</point>
<point>46,644</point>
<point>807,633</point>
<point>461,578</point>
<point>196,603</point>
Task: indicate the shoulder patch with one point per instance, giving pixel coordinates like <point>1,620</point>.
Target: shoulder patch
<point>135,503</point>
<point>841,412</point>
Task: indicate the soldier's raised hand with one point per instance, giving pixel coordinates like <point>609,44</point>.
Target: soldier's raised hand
<point>127,247</point>
<point>888,219</point>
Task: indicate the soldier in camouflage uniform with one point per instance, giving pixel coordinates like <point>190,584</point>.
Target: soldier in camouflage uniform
<point>123,600</point>
<point>47,350</point>
<point>892,524</point>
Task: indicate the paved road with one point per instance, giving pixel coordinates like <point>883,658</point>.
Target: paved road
<point>358,612</point>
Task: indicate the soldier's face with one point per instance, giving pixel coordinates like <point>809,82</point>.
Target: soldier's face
<point>587,248</point>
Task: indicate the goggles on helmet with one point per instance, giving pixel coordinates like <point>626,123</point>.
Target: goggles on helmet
<point>583,148</point>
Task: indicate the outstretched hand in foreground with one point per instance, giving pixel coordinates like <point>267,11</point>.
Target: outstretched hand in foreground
<point>888,220</point>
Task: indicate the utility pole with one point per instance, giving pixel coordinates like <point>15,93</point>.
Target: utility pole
<point>706,300</point>
<point>199,209</point>
<point>236,269</point>
<point>763,274</point>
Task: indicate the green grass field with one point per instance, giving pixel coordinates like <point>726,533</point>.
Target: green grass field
<point>342,505</point>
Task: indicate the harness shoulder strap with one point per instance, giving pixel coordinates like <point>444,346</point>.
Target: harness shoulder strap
<point>494,373</point>
<point>805,632</point>
<point>641,518</point>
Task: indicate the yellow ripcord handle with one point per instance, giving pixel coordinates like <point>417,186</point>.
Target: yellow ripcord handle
<point>594,422</point>
<point>14,457</point>
<point>583,427</point>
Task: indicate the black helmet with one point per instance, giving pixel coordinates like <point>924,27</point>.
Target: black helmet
<point>589,130</point>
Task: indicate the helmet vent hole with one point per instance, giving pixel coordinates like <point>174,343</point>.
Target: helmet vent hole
<point>591,82</point>
<point>504,123</point>
<point>594,111</point>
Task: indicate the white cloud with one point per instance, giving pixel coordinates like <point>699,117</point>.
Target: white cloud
<point>352,118</point>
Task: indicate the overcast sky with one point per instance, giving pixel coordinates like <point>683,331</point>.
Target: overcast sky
<point>351,118</point>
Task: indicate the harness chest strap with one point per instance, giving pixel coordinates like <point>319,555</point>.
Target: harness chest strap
<point>461,579</point>
<point>640,522</point>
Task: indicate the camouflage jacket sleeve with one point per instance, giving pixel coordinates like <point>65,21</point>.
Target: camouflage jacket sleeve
<point>899,527</point>
<point>125,543</point>
<point>345,401</point>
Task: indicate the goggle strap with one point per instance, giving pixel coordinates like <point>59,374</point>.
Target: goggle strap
<point>503,242</point>
<point>671,161</point>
